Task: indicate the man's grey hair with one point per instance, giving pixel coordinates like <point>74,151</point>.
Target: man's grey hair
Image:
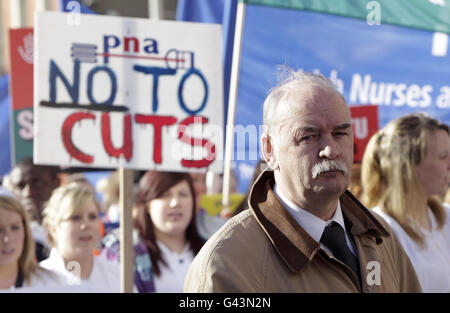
<point>290,80</point>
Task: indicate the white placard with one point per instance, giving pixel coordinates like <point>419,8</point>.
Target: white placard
<point>134,93</point>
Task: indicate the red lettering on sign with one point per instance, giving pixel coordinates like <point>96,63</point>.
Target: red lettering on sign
<point>158,122</point>
<point>67,136</point>
<point>184,137</point>
<point>127,147</point>
<point>135,42</point>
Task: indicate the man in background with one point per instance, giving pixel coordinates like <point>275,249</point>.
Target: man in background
<point>33,184</point>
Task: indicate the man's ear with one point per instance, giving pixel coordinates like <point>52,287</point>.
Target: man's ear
<point>268,151</point>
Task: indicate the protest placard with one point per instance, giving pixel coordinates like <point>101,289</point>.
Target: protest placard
<point>134,93</point>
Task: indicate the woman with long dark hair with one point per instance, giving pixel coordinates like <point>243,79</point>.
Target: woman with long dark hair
<point>166,240</point>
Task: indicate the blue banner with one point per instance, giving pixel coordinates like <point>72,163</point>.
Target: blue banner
<point>216,12</point>
<point>5,156</point>
<point>75,6</point>
<point>401,70</point>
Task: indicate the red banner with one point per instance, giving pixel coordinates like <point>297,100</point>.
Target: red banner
<point>364,124</point>
<point>21,89</point>
<point>21,45</point>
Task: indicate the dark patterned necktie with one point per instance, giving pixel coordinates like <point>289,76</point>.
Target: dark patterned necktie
<point>333,238</point>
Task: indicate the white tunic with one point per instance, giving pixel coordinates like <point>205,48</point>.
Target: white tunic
<point>432,261</point>
<point>172,277</point>
<point>41,280</point>
<point>105,274</point>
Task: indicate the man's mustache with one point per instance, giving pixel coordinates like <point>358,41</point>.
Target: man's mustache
<point>328,165</point>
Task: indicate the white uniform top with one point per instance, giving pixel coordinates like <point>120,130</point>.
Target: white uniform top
<point>172,277</point>
<point>105,274</point>
<point>41,280</point>
<point>432,261</point>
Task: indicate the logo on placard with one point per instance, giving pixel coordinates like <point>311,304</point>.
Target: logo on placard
<point>26,51</point>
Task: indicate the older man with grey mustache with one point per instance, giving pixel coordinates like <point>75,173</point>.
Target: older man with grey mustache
<point>304,232</point>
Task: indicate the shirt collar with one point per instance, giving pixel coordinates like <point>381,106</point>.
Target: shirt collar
<point>166,250</point>
<point>56,260</point>
<point>312,224</point>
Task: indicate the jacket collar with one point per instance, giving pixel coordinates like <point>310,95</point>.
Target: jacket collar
<point>294,245</point>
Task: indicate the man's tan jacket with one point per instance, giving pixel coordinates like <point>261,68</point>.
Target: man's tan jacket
<point>264,249</point>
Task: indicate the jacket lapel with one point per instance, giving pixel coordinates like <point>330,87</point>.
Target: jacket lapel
<point>294,245</point>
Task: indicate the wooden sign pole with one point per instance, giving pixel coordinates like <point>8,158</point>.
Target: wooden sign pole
<point>126,229</point>
<point>232,100</point>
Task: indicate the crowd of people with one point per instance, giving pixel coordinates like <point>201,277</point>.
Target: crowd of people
<point>55,233</point>
<point>308,223</point>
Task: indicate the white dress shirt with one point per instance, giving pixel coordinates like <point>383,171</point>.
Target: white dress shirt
<point>105,274</point>
<point>312,224</point>
<point>431,261</point>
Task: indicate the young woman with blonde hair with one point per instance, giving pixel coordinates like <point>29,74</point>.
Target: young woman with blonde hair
<point>73,225</point>
<point>18,266</point>
<point>405,171</point>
